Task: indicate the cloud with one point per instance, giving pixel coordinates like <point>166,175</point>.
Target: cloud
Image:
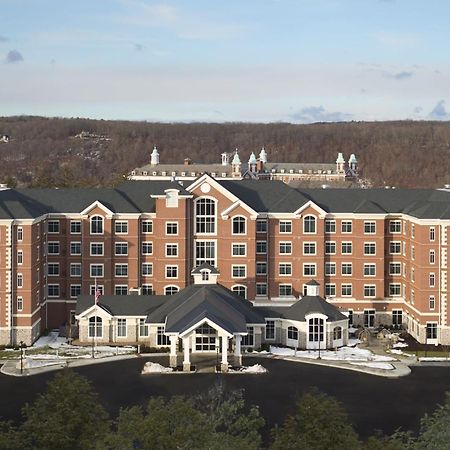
<point>439,112</point>
<point>402,75</point>
<point>312,114</point>
<point>3,39</point>
<point>13,56</point>
<point>139,47</point>
<point>418,110</point>
<point>396,40</point>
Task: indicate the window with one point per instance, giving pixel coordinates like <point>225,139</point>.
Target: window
<point>346,268</point>
<point>369,227</point>
<point>172,228</point>
<point>261,289</point>
<point>330,248</point>
<point>19,303</point>
<point>121,270</point>
<point>53,290</point>
<point>171,290</point>
<point>350,317</point>
<point>369,317</point>
<point>337,333</point>
<point>397,317</point>
<point>143,328</point>
<point>346,290</point>
<point>147,248</point>
<point>75,269</point>
<point>370,248</point>
<point>309,270</point>
<point>309,224</point>
<point>292,333</point>
<point>97,225</point>
<point>162,339</point>
<point>261,247</point>
<point>75,290</point>
<point>171,271</point>
<point>205,216</point>
<point>413,230</point>
<point>95,327</point>
<point>147,289</point>
<point>432,280</point>
<point>19,234</point>
<point>369,270</point>
<point>121,248</point>
<point>75,227</point>
<point>431,302</point>
<point>121,227</point>
<point>270,330</point>
<point>432,234</point>
<point>431,330</point>
<point>285,269</point>
<point>330,290</point>
<point>96,248</point>
<point>248,340</point>
<point>99,288</point>
<point>346,226</point>
<point>75,248</point>
<point>96,270</point>
<point>330,226</point>
<point>53,269</point>
<point>315,329</point>
<point>432,257</point>
<point>19,280</point>
<point>285,226</point>
<point>394,290</point>
<point>205,275</point>
<point>369,290</point>
<point>240,290</point>
<point>413,252</point>
<point>395,248</point>
<point>261,268</point>
<point>346,248</point>
<point>147,226</point>
<point>239,249</point>
<point>285,248</point>
<point>171,250</point>
<point>19,257</point>
<point>147,269</point>
<point>53,226</point>
<point>121,327</point>
<point>395,226</point>
<point>121,289</point>
<point>330,269</point>
<point>309,248</point>
<point>285,290</point>
<point>238,271</point>
<point>205,251</point>
<point>238,225</point>
<point>261,226</point>
<point>53,248</point>
<point>394,268</point>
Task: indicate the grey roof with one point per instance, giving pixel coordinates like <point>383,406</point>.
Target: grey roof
<point>188,168</point>
<point>306,305</point>
<point>204,266</point>
<point>122,305</point>
<point>312,283</point>
<point>212,301</point>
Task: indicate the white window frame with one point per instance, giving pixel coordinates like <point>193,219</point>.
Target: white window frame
<point>169,225</point>
<point>240,266</point>
<point>235,218</point>
<point>330,244</point>
<point>347,265</point>
<point>97,254</point>
<point>121,223</point>
<point>330,223</point>
<point>369,245</point>
<point>98,265</point>
<point>346,222</point>
<point>370,286</point>
<point>172,267</point>
<point>315,224</point>
<point>91,220</point>
<point>75,223</point>
<point>148,265</point>
<point>310,265</point>
<point>73,265</point>
<point>236,245</point>
<point>371,224</point>
<point>369,266</point>
<point>287,268</point>
<point>172,245</point>
<point>344,286</point>
<point>145,224</point>
<point>146,243</point>
<point>120,245</point>
<point>286,223</point>
<point>78,243</point>
<point>120,265</point>
<point>347,243</point>
<point>329,265</point>
<point>314,244</point>
<point>121,325</point>
<point>284,243</point>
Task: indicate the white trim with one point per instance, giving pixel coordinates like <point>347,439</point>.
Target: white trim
<point>314,206</point>
<point>212,324</point>
<point>98,204</point>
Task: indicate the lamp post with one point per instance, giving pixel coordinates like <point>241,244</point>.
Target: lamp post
<point>21,357</point>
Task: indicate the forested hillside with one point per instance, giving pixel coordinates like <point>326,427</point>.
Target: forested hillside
<point>45,152</point>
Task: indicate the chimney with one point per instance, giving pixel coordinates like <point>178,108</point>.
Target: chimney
<point>187,161</point>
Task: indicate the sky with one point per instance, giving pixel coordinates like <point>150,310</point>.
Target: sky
<point>297,61</point>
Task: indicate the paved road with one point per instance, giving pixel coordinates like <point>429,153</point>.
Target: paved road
<point>372,402</point>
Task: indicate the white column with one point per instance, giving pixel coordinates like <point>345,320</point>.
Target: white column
<point>224,365</point>
<point>186,360</point>
<point>237,350</point>
<point>173,351</point>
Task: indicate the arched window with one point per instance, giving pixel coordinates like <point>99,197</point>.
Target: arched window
<point>337,333</point>
<point>316,329</point>
<point>239,223</point>
<point>205,216</point>
<point>309,224</point>
<point>95,327</point>
<point>292,333</point>
<point>171,290</point>
<point>240,289</point>
<point>96,225</point>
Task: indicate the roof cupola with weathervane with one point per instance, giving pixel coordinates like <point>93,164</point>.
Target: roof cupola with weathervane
<point>236,164</point>
<point>340,163</point>
<point>154,160</point>
<point>252,163</point>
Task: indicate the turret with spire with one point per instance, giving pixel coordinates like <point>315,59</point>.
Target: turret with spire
<point>252,163</point>
<point>236,164</point>
<point>353,163</point>
<point>340,164</point>
<point>154,159</point>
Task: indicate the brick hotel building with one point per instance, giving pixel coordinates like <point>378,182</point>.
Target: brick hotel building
<point>378,254</point>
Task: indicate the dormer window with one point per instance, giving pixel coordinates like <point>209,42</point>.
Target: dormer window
<point>205,275</point>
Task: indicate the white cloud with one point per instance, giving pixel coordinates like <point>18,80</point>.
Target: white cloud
<point>439,111</point>
<point>396,40</point>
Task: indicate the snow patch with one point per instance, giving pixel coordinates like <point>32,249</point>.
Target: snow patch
<point>400,345</point>
<point>374,365</point>
<point>151,367</point>
<point>256,368</point>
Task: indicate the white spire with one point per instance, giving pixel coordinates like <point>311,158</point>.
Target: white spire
<point>252,159</point>
<point>352,159</point>
<point>154,160</point>
<point>340,158</point>
<point>263,155</point>
<point>225,159</point>
<point>236,159</point>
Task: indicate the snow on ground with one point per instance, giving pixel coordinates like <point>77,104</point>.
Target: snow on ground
<point>400,345</point>
<point>400,352</point>
<point>374,365</point>
<point>352,329</point>
<point>31,363</point>
<point>256,368</point>
<point>52,340</point>
<point>433,358</point>
<point>151,367</point>
<point>341,354</point>
<point>352,342</point>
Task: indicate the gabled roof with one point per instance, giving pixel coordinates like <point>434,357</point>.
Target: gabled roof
<point>204,266</point>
